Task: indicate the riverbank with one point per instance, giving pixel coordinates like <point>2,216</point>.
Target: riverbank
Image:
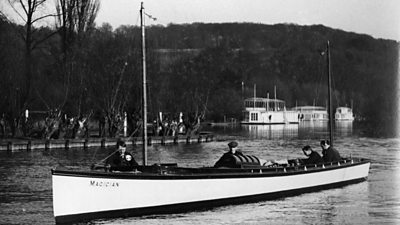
<point>34,144</point>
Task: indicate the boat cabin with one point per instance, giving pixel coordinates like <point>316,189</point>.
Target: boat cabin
<point>267,111</point>
<point>312,113</point>
<point>344,114</point>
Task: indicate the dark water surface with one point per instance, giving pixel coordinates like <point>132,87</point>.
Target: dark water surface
<point>26,195</point>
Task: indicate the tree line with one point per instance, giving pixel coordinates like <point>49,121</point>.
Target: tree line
<point>202,70</point>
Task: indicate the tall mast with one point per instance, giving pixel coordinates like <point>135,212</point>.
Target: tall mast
<point>328,56</point>
<point>144,106</point>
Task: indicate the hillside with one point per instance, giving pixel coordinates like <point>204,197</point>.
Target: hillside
<point>201,67</point>
<point>288,56</point>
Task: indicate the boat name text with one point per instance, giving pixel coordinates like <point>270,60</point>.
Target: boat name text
<point>95,183</point>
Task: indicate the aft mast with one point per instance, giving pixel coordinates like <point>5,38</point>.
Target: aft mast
<point>330,114</point>
<point>144,101</point>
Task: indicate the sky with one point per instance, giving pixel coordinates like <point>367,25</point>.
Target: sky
<point>378,18</point>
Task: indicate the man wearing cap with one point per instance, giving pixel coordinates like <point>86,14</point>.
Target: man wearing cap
<point>122,160</point>
<point>329,154</point>
<point>313,156</point>
<point>227,159</point>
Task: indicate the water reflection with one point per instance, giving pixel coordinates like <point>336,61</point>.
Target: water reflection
<point>276,131</point>
<point>343,128</point>
<point>306,129</point>
<point>319,129</point>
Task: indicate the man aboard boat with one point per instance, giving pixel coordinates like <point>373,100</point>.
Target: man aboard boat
<point>236,159</point>
<point>228,159</point>
<point>329,154</point>
<point>121,160</point>
<point>313,156</point>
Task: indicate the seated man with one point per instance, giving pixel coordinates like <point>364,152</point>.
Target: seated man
<point>228,159</point>
<point>313,156</point>
<point>122,160</point>
<point>329,154</point>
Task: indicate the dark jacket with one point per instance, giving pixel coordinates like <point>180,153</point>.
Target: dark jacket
<point>313,158</point>
<point>120,162</point>
<point>331,155</point>
<point>228,160</point>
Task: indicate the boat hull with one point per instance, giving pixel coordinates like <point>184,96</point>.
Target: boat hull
<point>84,196</point>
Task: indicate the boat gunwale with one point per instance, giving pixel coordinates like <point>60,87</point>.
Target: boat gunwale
<point>214,173</point>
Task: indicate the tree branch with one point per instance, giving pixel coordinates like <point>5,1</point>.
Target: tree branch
<point>42,17</point>
<point>16,11</point>
<point>23,6</point>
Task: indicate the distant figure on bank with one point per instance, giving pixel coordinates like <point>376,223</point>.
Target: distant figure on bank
<point>313,156</point>
<point>227,159</point>
<point>329,154</point>
<point>122,160</point>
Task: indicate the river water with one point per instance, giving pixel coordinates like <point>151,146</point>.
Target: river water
<point>26,195</point>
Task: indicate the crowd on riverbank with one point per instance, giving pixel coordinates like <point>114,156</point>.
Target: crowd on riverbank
<point>55,124</point>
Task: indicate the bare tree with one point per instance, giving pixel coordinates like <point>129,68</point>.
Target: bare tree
<point>30,12</point>
<point>75,18</point>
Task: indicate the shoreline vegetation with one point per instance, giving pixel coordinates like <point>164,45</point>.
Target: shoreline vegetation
<point>77,69</point>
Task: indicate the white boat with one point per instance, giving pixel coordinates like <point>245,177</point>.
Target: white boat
<point>81,196</point>
<point>344,114</point>
<point>268,111</point>
<point>312,113</point>
<point>89,194</point>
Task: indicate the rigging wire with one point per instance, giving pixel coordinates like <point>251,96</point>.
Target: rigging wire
<point>102,160</point>
<point>137,20</point>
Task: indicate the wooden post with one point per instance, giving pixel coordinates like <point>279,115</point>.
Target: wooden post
<point>188,140</point>
<point>67,144</point>
<point>103,143</point>
<point>148,141</point>
<point>176,140</point>
<point>47,145</point>
<point>199,139</point>
<point>163,140</point>
<point>86,144</point>
<point>133,141</point>
<point>29,146</point>
<point>9,146</point>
